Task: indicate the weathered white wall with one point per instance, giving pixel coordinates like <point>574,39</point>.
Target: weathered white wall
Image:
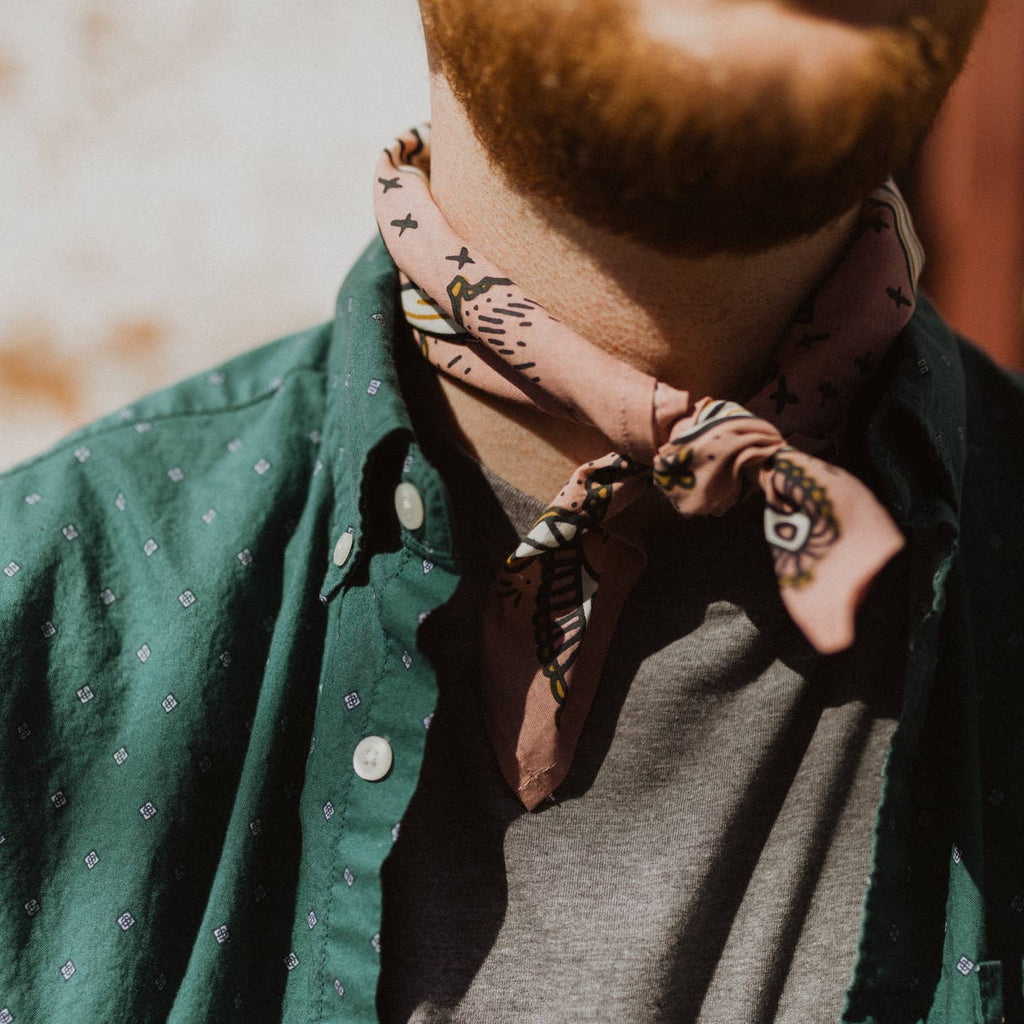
<point>179,182</point>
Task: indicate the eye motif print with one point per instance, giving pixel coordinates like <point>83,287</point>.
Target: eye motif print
<point>801,525</point>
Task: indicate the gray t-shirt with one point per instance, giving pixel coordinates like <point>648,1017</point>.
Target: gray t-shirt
<point>706,858</point>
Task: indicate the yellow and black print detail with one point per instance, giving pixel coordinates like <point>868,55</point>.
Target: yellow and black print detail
<point>567,583</point>
<point>461,290</point>
<point>567,588</point>
<point>802,527</point>
<point>556,527</point>
<point>427,316</point>
<point>675,470</point>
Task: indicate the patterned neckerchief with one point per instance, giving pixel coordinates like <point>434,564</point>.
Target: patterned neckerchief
<point>552,612</point>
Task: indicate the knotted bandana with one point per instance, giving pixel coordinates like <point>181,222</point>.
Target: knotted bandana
<point>551,613</point>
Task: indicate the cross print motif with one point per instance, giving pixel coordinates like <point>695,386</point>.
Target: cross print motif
<point>462,258</point>
<point>805,312</point>
<point>879,223</point>
<point>390,183</point>
<point>404,223</point>
<point>864,363</point>
<point>782,396</point>
<point>897,296</point>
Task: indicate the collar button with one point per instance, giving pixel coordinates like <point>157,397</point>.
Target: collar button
<point>409,506</point>
<point>343,548</point>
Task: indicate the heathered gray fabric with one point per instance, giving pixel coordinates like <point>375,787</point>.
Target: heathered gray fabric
<point>706,858</point>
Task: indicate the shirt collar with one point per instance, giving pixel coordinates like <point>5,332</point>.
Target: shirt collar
<point>916,430</point>
<point>367,416</point>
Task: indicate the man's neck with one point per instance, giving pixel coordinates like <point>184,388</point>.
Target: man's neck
<point>706,325</point>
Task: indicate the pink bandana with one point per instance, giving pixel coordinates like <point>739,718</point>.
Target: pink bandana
<point>553,609</point>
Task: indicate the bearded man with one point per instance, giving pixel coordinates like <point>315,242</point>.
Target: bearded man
<point>612,614</point>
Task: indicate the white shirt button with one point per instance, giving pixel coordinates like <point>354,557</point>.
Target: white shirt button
<point>343,548</point>
<point>409,506</point>
<point>372,758</point>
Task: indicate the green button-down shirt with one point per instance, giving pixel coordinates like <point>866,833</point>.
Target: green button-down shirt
<point>185,673</point>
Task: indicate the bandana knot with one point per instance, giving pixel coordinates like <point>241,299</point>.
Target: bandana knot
<point>553,609</point>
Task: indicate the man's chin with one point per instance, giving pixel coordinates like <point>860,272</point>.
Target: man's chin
<point>701,128</point>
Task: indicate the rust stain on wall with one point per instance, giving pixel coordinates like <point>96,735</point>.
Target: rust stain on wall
<point>32,369</point>
<point>97,26</point>
<point>8,73</point>
<point>135,339</point>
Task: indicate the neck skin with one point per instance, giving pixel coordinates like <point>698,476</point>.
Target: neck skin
<point>708,326</point>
